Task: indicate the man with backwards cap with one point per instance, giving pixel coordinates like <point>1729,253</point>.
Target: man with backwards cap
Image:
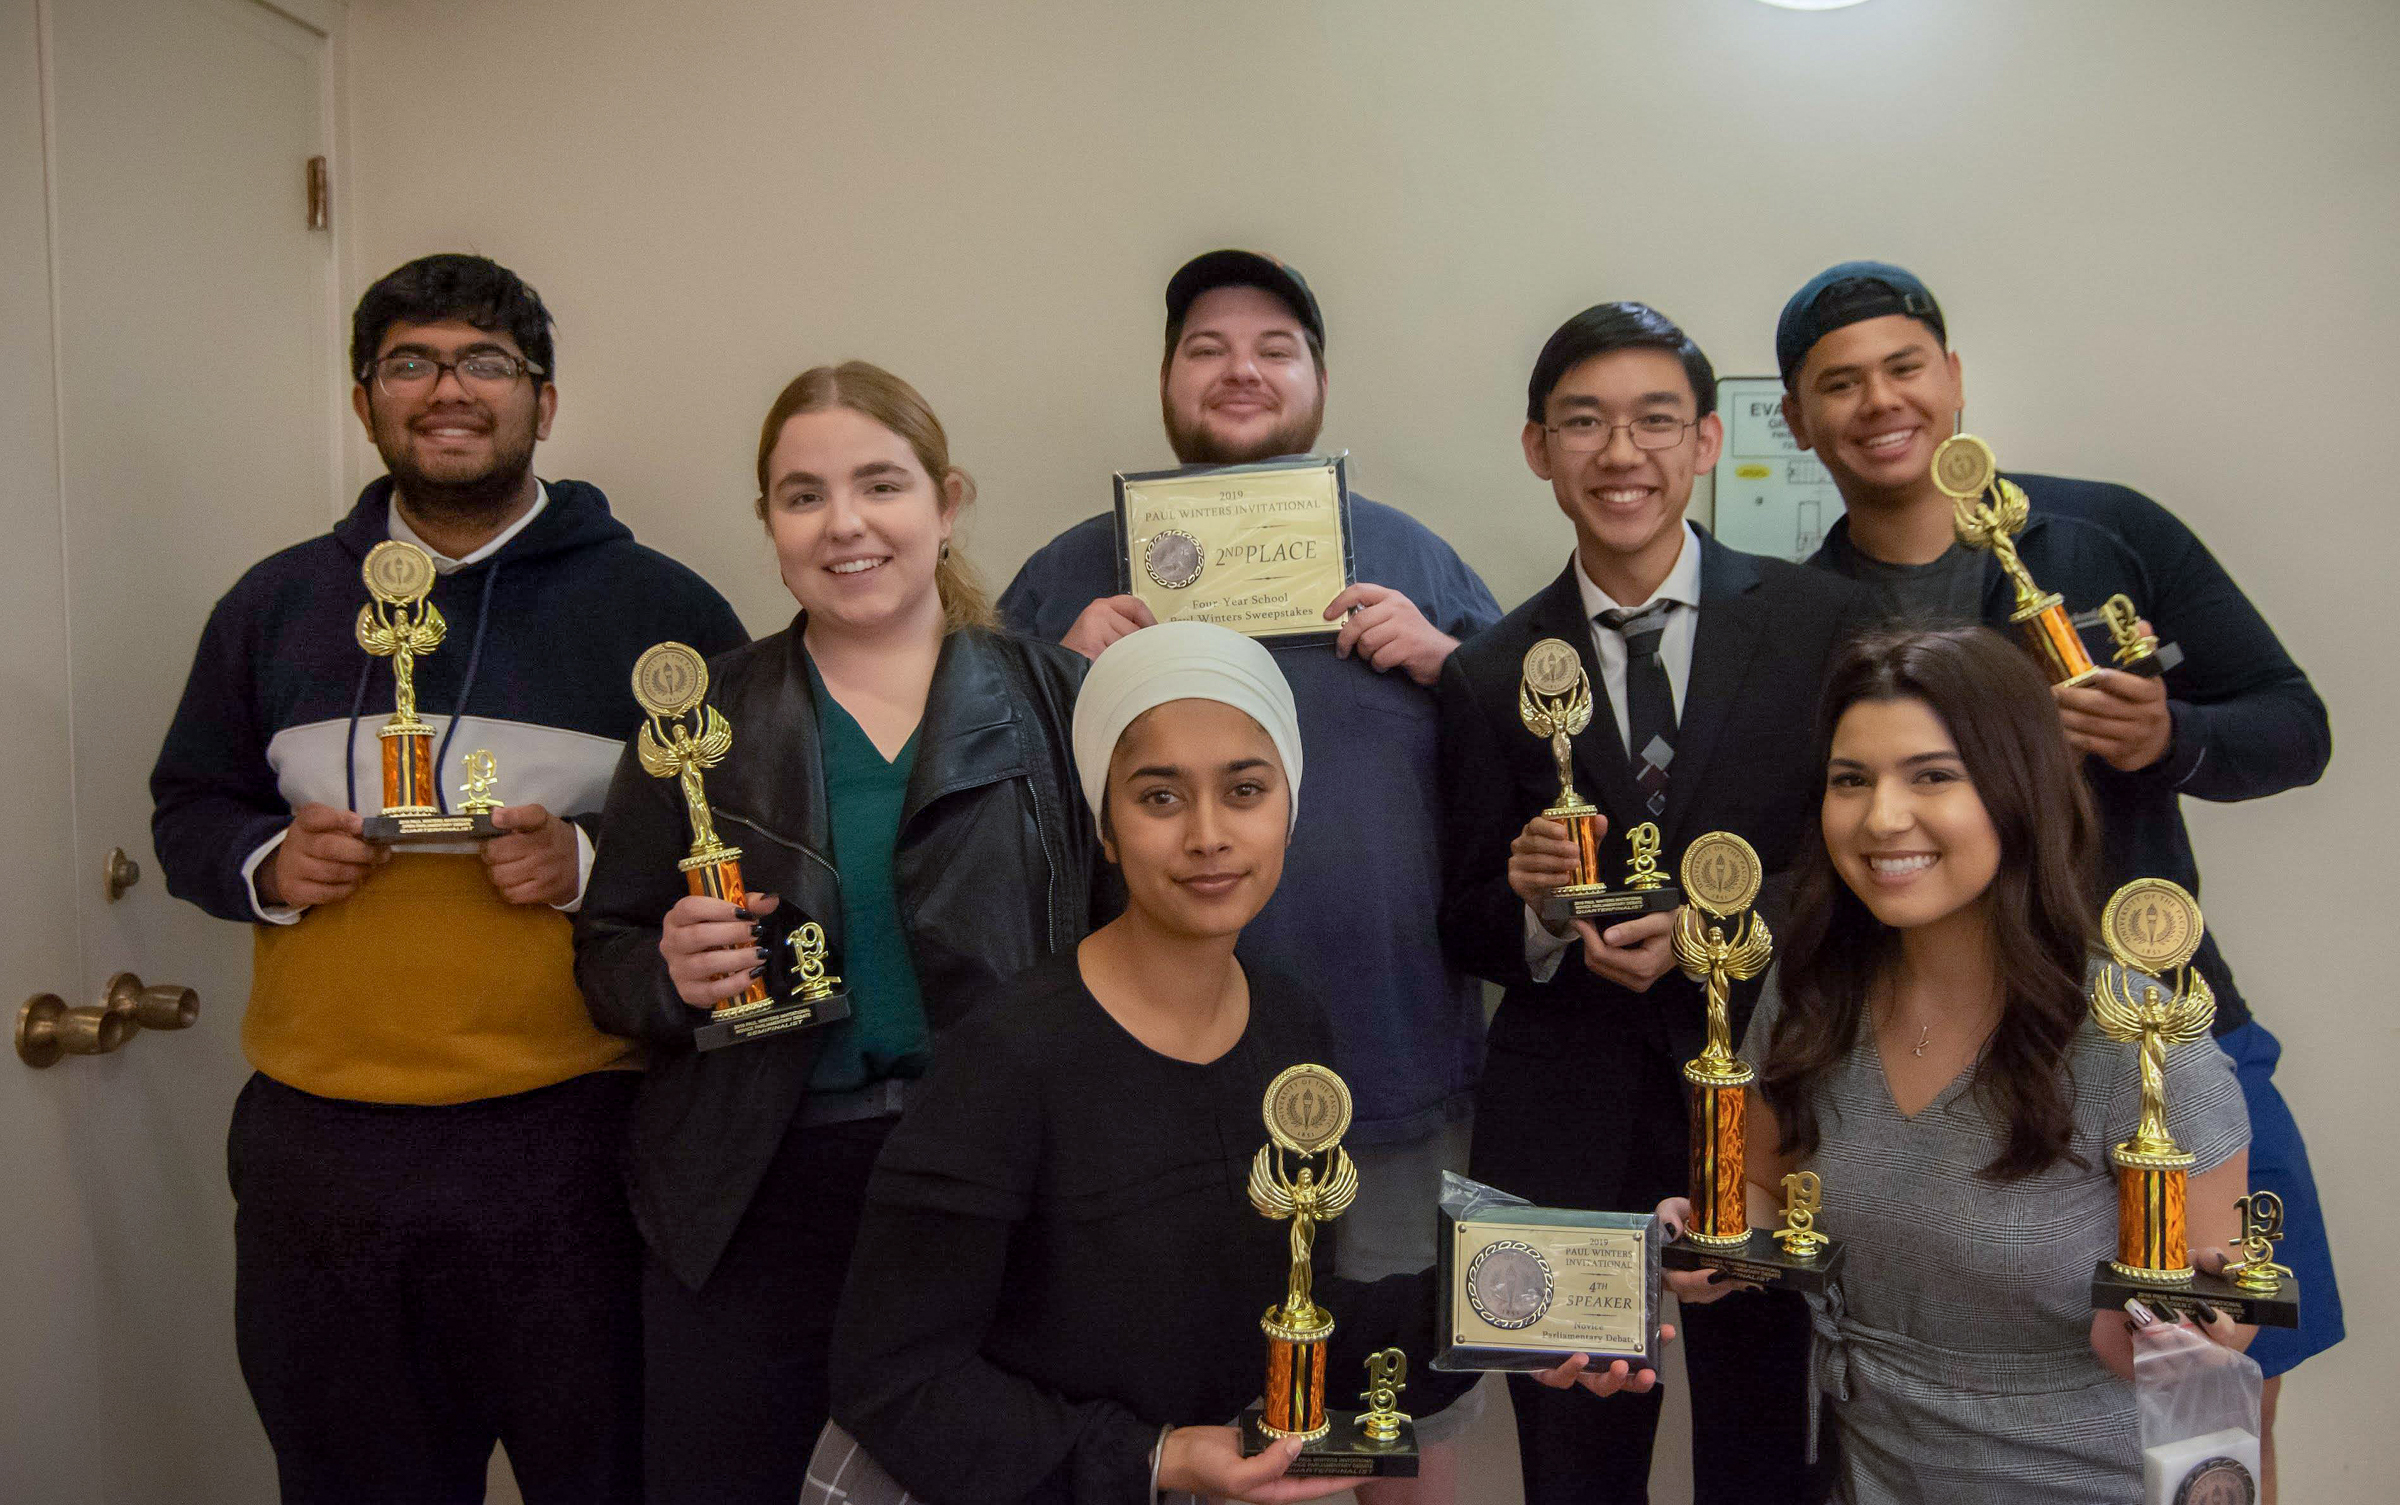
<point>1244,379</point>
<point>1871,387</point>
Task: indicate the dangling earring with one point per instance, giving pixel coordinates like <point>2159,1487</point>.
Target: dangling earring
<point>945,551</point>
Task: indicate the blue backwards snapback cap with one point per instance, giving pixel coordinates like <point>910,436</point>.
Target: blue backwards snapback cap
<point>1850,293</point>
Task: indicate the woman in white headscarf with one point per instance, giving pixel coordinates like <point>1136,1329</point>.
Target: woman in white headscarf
<point>1056,1291</point>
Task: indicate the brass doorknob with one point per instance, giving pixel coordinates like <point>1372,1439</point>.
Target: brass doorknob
<point>48,1029</point>
<point>118,873</point>
<point>163,1007</point>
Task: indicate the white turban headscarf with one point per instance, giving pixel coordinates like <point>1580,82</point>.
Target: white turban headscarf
<point>1181,661</point>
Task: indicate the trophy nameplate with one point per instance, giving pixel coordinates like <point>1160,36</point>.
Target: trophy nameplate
<point>2152,929</point>
<point>399,623</point>
<point>1525,1287</point>
<point>1303,1176</point>
<point>1988,512</point>
<point>1719,941</point>
<point>1262,549</point>
<point>681,735</point>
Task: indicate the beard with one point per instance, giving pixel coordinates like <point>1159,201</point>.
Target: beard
<point>1195,445</point>
<point>453,496</point>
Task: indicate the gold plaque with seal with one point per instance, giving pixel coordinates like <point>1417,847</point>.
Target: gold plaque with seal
<point>1525,1287</point>
<point>1262,549</point>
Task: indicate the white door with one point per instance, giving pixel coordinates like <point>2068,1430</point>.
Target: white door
<point>167,417</point>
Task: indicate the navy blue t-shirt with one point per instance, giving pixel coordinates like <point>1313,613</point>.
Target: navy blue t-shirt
<point>1354,917</point>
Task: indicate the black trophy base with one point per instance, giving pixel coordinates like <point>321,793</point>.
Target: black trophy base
<point>1762,1261</point>
<point>388,830</point>
<point>777,1016</point>
<point>1608,905</point>
<point>2277,1308</point>
<point>1344,1452</point>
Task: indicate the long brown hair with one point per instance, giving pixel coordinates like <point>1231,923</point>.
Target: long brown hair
<point>869,389</point>
<point>1997,708</point>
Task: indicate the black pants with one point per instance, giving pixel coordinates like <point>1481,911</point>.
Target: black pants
<point>1603,1124</point>
<point>735,1372</point>
<point>414,1284</point>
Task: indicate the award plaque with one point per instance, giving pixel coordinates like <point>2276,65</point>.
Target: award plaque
<point>681,735</point>
<point>2152,928</point>
<point>1262,549</point>
<point>2138,652</point>
<point>1721,878</point>
<point>1525,1287</point>
<point>1303,1176</point>
<point>1554,700</point>
<point>1988,512</point>
<point>398,623</point>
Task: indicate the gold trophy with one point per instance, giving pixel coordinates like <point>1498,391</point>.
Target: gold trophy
<point>1721,879</point>
<point>1302,1175</point>
<point>1989,512</point>
<point>2138,651</point>
<point>2152,928</point>
<point>483,776</point>
<point>1554,700</point>
<point>681,735</point>
<point>398,623</point>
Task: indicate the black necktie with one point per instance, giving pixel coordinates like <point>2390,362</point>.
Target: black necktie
<point>1649,699</point>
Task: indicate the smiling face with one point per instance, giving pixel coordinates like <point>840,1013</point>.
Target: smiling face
<point>1627,503</point>
<point>857,523</point>
<point>1241,383</point>
<point>1872,400</point>
<point>1198,815</point>
<point>1905,827</point>
<point>455,447</point>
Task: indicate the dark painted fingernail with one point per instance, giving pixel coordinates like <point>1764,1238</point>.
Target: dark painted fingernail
<point>759,971</point>
<point>744,913</point>
<point>1718,1277</point>
<point>762,953</point>
<point>2207,1313</point>
<point>758,928</point>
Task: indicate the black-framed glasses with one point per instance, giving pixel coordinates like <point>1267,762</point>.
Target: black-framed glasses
<point>1585,433</point>
<point>478,370</point>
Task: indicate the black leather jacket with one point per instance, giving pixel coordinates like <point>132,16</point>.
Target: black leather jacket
<point>995,870</point>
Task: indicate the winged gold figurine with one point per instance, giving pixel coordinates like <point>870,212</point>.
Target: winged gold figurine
<point>1710,958</point>
<point>1994,525</point>
<point>400,632</point>
<point>1558,717</point>
<point>668,750</point>
<point>1306,1201</point>
<point>2138,1009</point>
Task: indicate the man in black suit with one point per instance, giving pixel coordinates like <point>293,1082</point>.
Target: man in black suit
<point>1705,662</point>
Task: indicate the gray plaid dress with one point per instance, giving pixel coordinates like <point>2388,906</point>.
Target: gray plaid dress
<point>1956,1346</point>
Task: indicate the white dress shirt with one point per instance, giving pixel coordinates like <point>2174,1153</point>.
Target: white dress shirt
<point>1544,946</point>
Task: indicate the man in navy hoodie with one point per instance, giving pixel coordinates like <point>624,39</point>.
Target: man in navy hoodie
<point>432,1246</point>
<point>1871,385</point>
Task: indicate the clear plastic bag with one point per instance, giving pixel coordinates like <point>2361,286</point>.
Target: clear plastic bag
<point>2198,1402</point>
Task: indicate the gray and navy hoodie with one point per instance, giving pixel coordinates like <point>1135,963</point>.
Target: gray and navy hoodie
<point>423,986</point>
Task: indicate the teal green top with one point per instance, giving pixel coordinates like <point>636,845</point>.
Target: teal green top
<point>885,1035</point>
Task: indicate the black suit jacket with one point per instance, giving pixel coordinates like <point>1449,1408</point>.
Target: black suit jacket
<point>1581,1071</point>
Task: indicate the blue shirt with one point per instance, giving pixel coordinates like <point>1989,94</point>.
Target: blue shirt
<point>1354,917</point>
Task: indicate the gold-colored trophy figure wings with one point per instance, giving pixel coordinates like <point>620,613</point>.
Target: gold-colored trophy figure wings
<point>1554,700</point>
<point>1721,876</point>
<point>1988,511</point>
<point>669,750</point>
<point>1308,1108</point>
<point>397,622</point>
<point>2151,928</point>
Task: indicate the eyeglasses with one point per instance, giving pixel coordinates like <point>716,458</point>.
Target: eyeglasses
<point>1585,434</point>
<point>481,370</point>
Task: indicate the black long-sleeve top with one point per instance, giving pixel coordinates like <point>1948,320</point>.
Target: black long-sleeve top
<point>1060,1257</point>
<point>2247,723</point>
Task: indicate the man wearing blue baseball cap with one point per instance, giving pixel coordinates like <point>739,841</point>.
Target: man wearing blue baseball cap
<point>1871,386</point>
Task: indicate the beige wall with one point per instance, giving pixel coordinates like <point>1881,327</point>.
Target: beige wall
<point>2162,229</point>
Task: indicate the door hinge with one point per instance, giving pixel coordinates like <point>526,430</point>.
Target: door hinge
<point>320,195</point>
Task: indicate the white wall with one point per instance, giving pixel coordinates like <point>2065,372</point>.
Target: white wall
<point>2162,229</point>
